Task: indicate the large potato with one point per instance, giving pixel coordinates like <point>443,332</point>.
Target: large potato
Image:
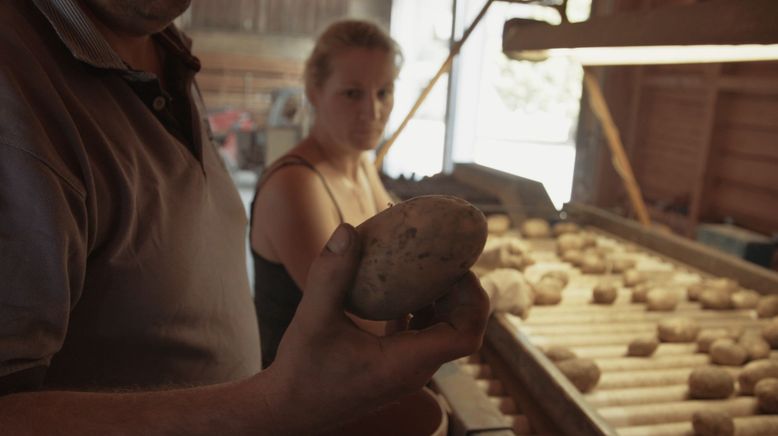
<point>412,253</point>
<point>711,382</point>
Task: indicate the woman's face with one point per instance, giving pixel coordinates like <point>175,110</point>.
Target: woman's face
<point>354,102</point>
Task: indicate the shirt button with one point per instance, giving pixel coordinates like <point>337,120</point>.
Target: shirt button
<point>159,103</point>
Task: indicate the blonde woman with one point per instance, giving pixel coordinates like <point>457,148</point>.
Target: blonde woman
<point>327,179</point>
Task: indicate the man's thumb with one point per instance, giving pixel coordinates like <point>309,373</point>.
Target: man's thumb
<point>331,275</point>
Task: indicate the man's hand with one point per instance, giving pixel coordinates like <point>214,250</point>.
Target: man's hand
<point>329,370</point>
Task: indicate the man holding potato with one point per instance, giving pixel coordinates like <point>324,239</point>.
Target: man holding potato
<point>121,308</point>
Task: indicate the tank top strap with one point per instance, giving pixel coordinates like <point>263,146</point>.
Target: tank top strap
<point>291,160</point>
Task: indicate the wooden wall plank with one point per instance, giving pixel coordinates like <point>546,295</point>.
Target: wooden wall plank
<point>759,174</point>
<point>241,83</point>
<point>748,207</point>
<point>756,144</point>
<point>748,110</point>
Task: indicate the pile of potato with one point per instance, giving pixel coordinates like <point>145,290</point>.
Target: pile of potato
<point>726,347</point>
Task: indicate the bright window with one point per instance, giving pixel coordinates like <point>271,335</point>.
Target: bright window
<point>518,117</point>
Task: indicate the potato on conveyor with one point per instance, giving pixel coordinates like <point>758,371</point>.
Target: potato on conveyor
<point>569,241</point>
<point>770,333</point>
<point>588,240</point>
<point>767,307</point>
<point>745,299</point>
<point>712,422</point>
<point>633,277</point>
<point>583,373</point>
<point>547,293</point>
<point>723,283</point>
<point>640,293</point>
<point>604,293</point>
<point>661,299</point>
<point>694,290</point>
<point>711,383</point>
<point>561,276</point>
<point>412,253</point>
<point>707,336</point>
<point>592,264</point>
<point>755,345</point>
<point>715,299</point>
<point>565,227</point>
<point>558,354</point>
<point>508,291</point>
<point>498,223</point>
<point>680,330</point>
<point>642,347</point>
<point>755,371</point>
<point>535,228</point>
<point>621,264</point>
<point>573,257</point>
<point>503,252</point>
<point>725,351</point>
<point>766,392</point>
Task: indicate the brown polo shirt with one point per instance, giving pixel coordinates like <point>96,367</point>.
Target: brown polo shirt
<point>122,237</point>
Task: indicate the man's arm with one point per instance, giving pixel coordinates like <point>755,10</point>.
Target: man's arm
<point>326,370</point>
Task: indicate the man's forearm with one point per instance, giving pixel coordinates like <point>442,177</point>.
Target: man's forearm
<point>231,408</point>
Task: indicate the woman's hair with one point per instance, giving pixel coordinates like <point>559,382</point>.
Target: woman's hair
<point>343,35</point>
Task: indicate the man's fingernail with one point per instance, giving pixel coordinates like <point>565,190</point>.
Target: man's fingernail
<point>339,241</point>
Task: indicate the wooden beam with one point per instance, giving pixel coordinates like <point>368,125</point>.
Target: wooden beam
<point>713,22</point>
<point>613,140</point>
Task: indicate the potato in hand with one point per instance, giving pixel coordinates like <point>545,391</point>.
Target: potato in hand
<point>412,253</point>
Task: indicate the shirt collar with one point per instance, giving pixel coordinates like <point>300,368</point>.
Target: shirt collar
<point>88,45</point>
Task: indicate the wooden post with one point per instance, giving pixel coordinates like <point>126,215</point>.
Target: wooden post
<point>443,68</point>
<point>620,160</point>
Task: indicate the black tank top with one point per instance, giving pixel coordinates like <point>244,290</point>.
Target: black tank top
<point>276,295</point>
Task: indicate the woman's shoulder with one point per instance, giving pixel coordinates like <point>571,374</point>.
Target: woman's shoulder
<point>290,177</point>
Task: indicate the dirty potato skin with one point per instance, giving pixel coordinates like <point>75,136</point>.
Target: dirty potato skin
<point>642,347</point>
<point>678,330</point>
<point>755,371</point>
<point>712,423</point>
<point>558,354</point>
<point>711,382</point>
<point>584,374</point>
<point>412,253</point>
<point>766,392</point>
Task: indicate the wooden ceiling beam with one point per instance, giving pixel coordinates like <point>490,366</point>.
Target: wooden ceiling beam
<point>717,22</point>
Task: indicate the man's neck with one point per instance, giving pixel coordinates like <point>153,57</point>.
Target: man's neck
<point>139,52</point>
